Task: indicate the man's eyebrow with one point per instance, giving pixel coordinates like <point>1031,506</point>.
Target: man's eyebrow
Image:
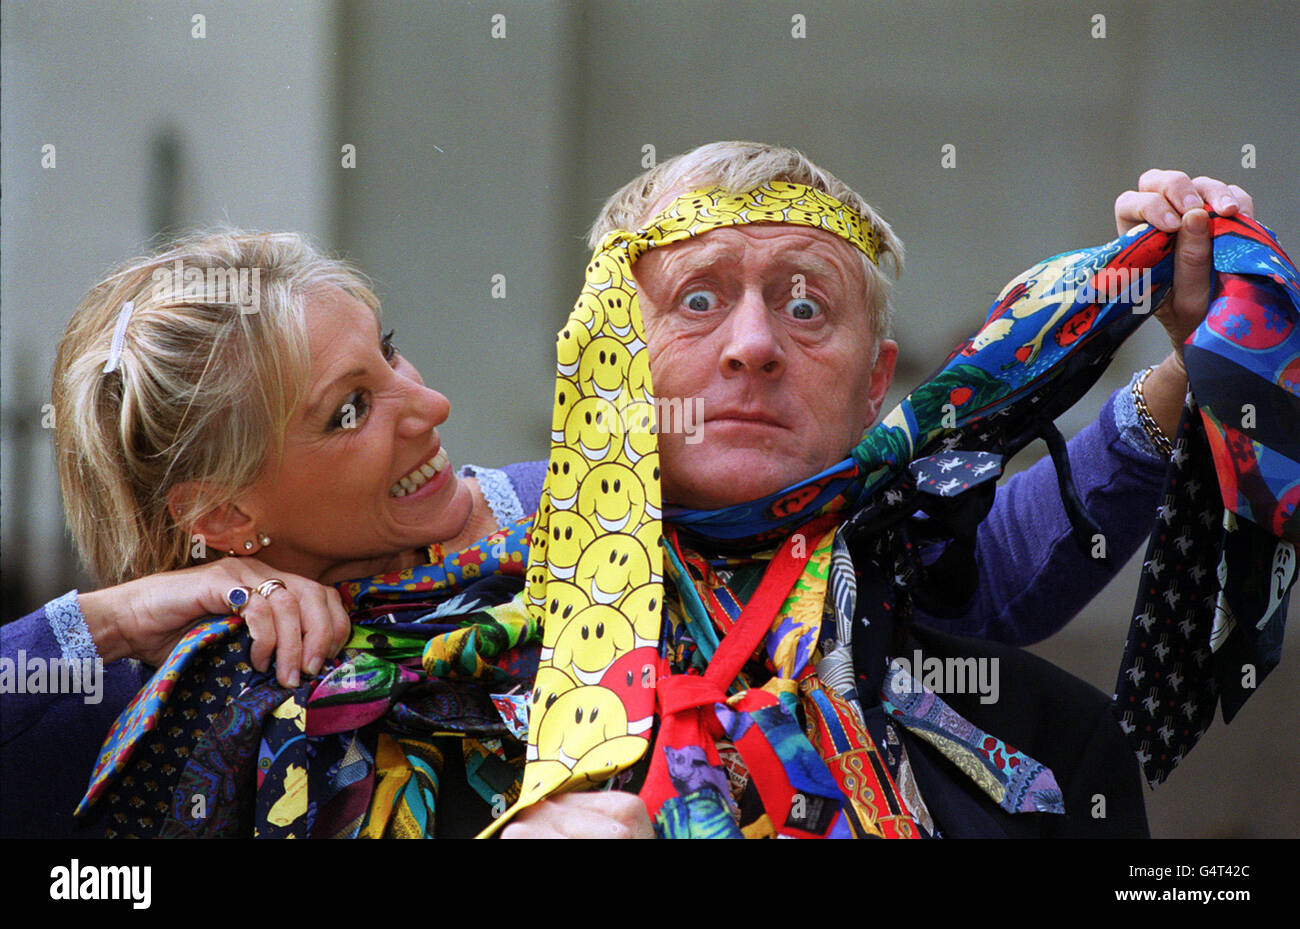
<point>698,259</point>
<point>794,258</point>
<point>798,261</point>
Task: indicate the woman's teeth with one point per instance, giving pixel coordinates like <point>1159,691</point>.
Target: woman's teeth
<point>425,472</point>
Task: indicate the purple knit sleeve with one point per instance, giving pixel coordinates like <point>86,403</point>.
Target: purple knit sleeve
<point>49,741</point>
<point>527,478</point>
<point>1033,576</point>
<point>42,638</point>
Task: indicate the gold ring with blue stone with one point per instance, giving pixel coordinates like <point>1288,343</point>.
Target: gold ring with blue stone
<point>237,598</point>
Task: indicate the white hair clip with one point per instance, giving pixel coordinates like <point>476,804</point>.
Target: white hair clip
<point>119,336</point>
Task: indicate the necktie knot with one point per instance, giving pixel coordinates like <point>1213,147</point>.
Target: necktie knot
<point>681,692</point>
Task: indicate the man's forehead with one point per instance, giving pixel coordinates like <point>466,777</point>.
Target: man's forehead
<point>799,247</point>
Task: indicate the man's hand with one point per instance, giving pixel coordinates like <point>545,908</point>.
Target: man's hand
<point>609,814</point>
<point>1173,202</point>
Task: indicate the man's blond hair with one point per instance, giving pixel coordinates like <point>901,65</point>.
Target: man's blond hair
<point>737,167</point>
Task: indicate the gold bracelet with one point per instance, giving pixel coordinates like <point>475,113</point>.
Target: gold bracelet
<point>1149,425</point>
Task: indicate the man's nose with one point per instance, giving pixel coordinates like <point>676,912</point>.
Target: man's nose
<point>422,410</point>
<point>753,342</point>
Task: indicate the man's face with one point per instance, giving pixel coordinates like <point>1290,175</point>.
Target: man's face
<point>767,325</point>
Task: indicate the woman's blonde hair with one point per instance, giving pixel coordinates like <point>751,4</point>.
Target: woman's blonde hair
<point>201,393</point>
<point>737,167</point>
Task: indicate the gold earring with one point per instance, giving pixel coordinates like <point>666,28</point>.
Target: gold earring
<point>230,552</point>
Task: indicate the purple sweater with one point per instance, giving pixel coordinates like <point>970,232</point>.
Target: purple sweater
<point>1033,579</point>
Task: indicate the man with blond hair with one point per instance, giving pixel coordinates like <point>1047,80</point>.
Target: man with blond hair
<point>763,290</point>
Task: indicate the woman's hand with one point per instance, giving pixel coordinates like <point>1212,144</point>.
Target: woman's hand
<point>1174,202</point>
<point>606,814</point>
<point>302,624</point>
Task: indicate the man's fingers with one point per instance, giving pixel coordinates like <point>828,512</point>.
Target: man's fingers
<point>598,815</point>
<point>616,804</point>
<point>613,814</point>
<point>1183,193</point>
<point>1245,202</point>
<point>1193,250</point>
<point>1193,272</point>
<point>520,830</point>
<point>1175,186</point>
<point>585,824</point>
<point>1133,207</point>
<point>1218,195</point>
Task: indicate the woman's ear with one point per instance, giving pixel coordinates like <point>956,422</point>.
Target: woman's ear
<point>225,528</point>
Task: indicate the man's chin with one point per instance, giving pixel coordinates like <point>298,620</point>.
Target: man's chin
<point>729,484</point>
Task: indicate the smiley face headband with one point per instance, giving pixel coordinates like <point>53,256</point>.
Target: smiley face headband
<point>595,576</point>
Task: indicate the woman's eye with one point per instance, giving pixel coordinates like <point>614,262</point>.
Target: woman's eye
<point>699,301</point>
<point>387,346</point>
<point>803,308</point>
<point>350,414</point>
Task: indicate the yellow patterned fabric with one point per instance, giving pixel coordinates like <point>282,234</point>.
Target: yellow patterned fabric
<point>595,575</point>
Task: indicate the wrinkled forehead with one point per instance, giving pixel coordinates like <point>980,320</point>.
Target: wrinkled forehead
<point>774,249</point>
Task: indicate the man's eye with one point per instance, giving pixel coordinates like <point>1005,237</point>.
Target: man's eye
<point>387,346</point>
<point>803,308</point>
<point>350,414</point>
<point>699,301</point>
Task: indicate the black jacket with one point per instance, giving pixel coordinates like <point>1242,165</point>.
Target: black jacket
<point>1049,715</point>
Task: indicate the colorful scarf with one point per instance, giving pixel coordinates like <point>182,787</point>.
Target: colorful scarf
<point>440,660</point>
<point>827,778</point>
<point>1211,606</point>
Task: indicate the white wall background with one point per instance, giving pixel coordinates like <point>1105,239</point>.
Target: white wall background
<point>251,109</point>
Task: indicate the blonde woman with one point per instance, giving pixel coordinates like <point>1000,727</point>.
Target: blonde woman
<point>234,433</point>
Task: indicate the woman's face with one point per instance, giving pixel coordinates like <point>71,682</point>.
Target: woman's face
<point>363,473</point>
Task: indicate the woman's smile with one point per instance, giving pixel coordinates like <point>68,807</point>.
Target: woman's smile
<point>423,480</point>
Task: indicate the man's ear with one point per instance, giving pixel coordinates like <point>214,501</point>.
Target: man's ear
<point>224,528</point>
<point>882,376</point>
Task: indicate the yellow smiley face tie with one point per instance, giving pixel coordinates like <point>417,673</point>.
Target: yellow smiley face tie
<point>595,575</point>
